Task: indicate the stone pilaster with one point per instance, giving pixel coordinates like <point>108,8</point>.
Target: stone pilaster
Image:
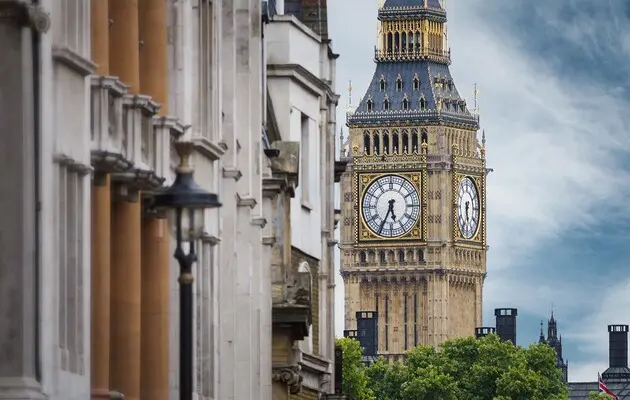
<point>100,307</point>
<point>229,376</point>
<point>155,308</point>
<point>19,231</point>
<point>101,225</point>
<point>125,294</point>
<point>156,257</point>
<point>126,220</point>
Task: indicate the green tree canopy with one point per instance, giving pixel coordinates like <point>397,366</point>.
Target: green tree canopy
<point>468,368</point>
<point>355,380</point>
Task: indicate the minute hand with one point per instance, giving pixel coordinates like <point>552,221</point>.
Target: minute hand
<point>384,220</point>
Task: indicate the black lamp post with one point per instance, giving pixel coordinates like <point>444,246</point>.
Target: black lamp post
<point>185,202</point>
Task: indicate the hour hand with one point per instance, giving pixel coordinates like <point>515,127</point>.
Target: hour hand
<point>391,208</point>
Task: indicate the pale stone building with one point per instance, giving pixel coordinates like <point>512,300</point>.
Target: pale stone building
<point>92,93</point>
<point>301,110</point>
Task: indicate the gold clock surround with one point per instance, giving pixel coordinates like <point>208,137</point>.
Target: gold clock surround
<point>479,236</point>
<point>364,236</point>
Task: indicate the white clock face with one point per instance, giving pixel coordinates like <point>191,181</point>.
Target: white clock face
<point>468,208</point>
<point>391,206</point>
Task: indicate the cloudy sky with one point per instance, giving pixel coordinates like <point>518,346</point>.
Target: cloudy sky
<point>555,104</point>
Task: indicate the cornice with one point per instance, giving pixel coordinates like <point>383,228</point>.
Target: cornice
<point>304,78</point>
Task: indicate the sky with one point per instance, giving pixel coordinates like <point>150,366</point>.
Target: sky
<point>554,97</point>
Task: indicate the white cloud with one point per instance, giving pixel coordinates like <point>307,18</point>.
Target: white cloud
<point>550,141</point>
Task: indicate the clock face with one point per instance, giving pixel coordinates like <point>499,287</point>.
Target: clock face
<point>468,208</point>
<point>391,206</point>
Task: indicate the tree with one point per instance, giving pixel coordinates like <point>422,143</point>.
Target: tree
<point>599,396</point>
<point>468,368</point>
<point>355,381</point>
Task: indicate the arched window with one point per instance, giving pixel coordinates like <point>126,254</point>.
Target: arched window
<point>401,256</point>
<point>385,143</point>
<point>423,104</point>
<point>405,104</point>
<point>369,105</point>
<point>382,256</point>
<point>424,136</point>
<point>377,144</point>
<point>366,143</point>
<point>395,144</point>
<point>382,84</point>
<point>405,142</point>
<point>363,257</point>
<point>420,255</point>
<point>386,104</point>
<point>416,83</point>
<point>399,84</point>
<point>414,140</point>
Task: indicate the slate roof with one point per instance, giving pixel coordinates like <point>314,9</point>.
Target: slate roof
<point>412,9</point>
<point>581,390</point>
<point>412,3</point>
<point>453,107</point>
<point>617,379</point>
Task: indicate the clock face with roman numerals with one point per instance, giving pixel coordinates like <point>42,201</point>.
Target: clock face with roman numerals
<point>468,208</point>
<point>391,206</point>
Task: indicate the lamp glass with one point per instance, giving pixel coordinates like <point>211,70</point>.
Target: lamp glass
<point>192,222</point>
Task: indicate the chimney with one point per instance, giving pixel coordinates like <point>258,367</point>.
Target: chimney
<point>484,331</point>
<point>617,354</point>
<point>367,332</point>
<point>506,324</point>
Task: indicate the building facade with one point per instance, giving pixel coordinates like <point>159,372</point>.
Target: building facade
<point>92,95</point>
<point>413,237</point>
<point>301,127</point>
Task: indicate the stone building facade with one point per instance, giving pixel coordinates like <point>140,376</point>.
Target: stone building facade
<point>92,95</point>
<point>301,125</point>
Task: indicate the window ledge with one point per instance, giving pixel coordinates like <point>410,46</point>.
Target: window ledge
<point>306,206</point>
<point>73,60</point>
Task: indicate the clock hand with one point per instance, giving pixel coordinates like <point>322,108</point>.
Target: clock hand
<point>384,220</point>
<point>467,206</point>
<point>391,208</point>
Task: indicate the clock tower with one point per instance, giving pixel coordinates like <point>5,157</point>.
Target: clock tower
<point>413,195</point>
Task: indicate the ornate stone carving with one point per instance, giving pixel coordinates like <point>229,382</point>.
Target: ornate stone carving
<point>26,13</point>
<point>290,376</point>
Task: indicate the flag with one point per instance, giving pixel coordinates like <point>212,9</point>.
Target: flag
<point>604,389</point>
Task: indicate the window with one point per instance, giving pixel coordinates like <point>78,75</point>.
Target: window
<point>306,173</point>
<point>382,84</point>
<point>366,143</point>
<point>70,258</point>
<point>362,257</point>
<point>423,104</point>
<point>395,142</point>
<point>399,84</point>
<point>385,143</point>
<point>401,256</point>
<point>382,257</point>
<point>205,92</point>
<point>377,143</point>
<point>70,27</point>
<point>386,104</point>
<point>414,140</point>
<point>369,105</point>
<point>405,104</point>
<point>416,83</point>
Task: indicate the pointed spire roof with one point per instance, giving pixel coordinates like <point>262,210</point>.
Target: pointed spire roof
<point>541,338</point>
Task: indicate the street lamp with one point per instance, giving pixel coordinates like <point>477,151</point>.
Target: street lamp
<point>184,201</point>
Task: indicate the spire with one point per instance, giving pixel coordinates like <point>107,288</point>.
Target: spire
<point>541,338</point>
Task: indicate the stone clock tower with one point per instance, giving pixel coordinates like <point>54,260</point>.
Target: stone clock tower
<point>413,195</point>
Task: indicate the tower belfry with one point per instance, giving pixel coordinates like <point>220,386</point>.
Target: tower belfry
<point>413,199</point>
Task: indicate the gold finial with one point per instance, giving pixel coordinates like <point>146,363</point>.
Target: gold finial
<point>184,150</point>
